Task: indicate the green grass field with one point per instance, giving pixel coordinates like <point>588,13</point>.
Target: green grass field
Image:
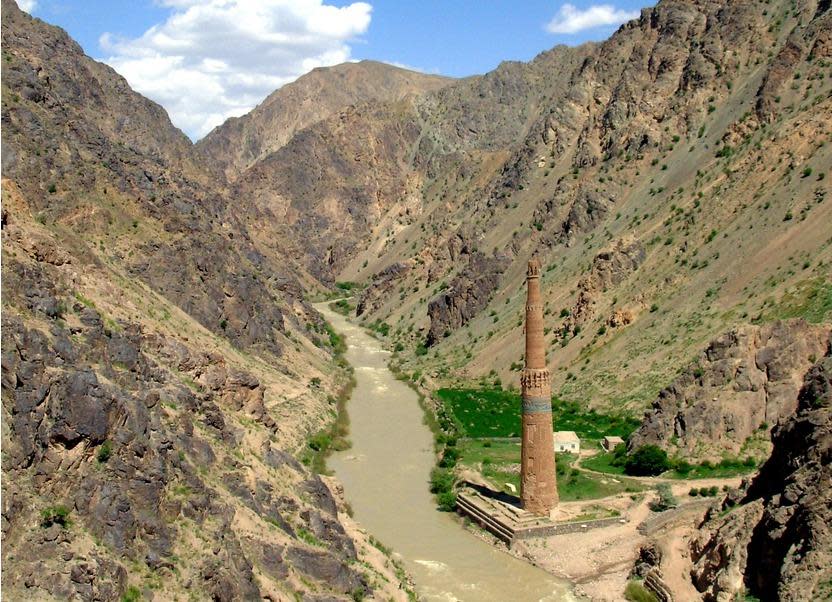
<point>499,462</point>
<point>496,413</point>
<point>602,462</point>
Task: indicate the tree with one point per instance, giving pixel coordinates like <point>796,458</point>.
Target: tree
<point>666,499</point>
<point>647,460</point>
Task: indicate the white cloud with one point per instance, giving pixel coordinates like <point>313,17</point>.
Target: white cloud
<point>215,59</point>
<point>27,5</point>
<point>571,19</point>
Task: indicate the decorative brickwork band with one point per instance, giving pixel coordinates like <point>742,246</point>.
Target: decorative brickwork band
<point>535,405</point>
<point>538,488</point>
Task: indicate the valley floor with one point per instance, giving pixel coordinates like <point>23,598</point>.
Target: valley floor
<point>599,562</point>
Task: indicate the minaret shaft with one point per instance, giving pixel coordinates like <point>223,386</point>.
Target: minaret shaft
<point>538,485</point>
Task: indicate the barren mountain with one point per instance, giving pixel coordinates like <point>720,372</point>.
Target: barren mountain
<point>672,179</point>
<point>163,370</point>
<point>160,374</point>
<point>242,141</point>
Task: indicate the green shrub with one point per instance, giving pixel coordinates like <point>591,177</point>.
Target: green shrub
<point>636,592</point>
<point>441,480</point>
<point>682,466</point>
<point>104,452</point>
<point>647,460</point>
<point>131,594</point>
<point>666,499</point>
<point>446,501</point>
<point>55,515</point>
<point>320,441</point>
<point>449,458</point>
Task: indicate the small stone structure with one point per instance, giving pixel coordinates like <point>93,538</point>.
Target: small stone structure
<point>567,442</point>
<point>610,442</point>
<point>538,487</point>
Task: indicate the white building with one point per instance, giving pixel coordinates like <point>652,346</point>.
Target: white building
<point>567,442</point>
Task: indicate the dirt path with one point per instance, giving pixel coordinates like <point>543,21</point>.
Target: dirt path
<point>599,561</point>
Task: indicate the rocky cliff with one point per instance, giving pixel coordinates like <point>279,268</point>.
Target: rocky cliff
<point>160,372</point>
<point>773,539</point>
<point>744,384</point>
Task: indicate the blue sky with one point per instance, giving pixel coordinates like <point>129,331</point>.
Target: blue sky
<point>206,60</point>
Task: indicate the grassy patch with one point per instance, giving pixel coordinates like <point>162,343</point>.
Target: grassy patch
<point>342,306</point>
<point>603,463</point>
<point>496,413</point>
<point>680,469</point>
<point>810,299</point>
<point>636,592</point>
<point>334,437</point>
<point>728,467</point>
<point>499,462</point>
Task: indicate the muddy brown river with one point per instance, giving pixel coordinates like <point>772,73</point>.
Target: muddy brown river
<point>385,475</point>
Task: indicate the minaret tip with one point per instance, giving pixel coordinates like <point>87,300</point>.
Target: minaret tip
<point>534,267</point>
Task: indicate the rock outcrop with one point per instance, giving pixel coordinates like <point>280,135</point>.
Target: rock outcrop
<point>742,385</point>
<point>609,269</point>
<point>774,540</point>
<point>149,353</point>
<point>468,293</point>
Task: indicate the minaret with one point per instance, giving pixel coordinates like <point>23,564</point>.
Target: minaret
<point>538,487</point>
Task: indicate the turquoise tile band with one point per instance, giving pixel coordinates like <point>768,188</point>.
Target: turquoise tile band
<point>536,405</point>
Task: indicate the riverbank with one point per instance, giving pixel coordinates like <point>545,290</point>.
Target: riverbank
<point>385,480</point>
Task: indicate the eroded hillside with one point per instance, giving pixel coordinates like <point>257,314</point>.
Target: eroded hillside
<point>672,179</point>
<point>161,374</point>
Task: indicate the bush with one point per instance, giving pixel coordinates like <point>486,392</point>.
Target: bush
<point>446,501</point>
<point>131,594</point>
<point>666,499</point>
<point>619,455</point>
<point>441,480</point>
<point>636,592</point>
<point>449,458</point>
<point>320,441</point>
<point>647,460</point>
<point>104,452</point>
<point>55,515</point>
<point>682,466</point>
<point>693,492</point>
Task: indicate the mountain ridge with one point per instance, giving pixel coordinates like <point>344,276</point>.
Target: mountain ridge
<point>235,145</point>
<point>156,311</point>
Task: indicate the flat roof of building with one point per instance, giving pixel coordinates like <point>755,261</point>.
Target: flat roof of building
<point>566,437</point>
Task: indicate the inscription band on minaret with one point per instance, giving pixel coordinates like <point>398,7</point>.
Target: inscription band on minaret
<point>538,485</point>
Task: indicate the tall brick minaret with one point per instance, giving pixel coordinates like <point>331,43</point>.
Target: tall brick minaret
<point>538,487</point>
